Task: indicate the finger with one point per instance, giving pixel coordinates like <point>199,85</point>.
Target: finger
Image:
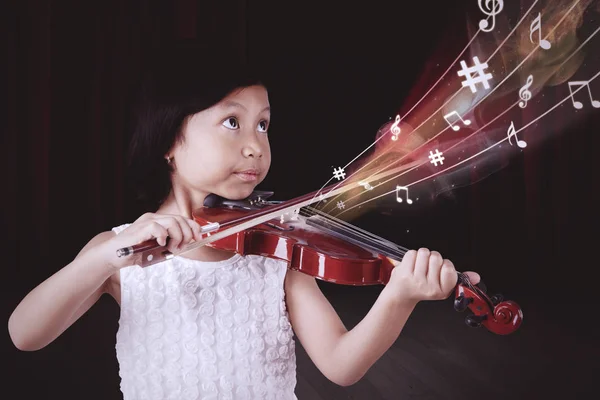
<point>158,232</point>
<point>175,233</point>
<point>196,229</point>
<point>395,263</point>
<point>474,277</point>
<point>422,263</point>
<point>435,266</point>
<point>448,277</point>
<point>188,235</point>
<point>408,261</point>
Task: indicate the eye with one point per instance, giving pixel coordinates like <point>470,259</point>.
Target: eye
<point>231,123</point>
<point>263,125</point>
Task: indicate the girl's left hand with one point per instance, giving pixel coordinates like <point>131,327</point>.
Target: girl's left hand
<point>424,275</point>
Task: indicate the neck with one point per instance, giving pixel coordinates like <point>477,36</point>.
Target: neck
<point>182,202</point>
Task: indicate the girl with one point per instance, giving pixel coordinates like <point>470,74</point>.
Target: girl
<point>209,323</point>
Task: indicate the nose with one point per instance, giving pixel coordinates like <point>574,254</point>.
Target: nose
<point>252,147</point>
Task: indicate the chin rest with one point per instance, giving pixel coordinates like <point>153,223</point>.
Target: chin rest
<point>254,201</point>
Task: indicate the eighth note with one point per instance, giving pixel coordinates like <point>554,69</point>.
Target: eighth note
<point>577,104</point>
<point>524,93</point>
<point>395,129</point>
<point>366,185</point>
<point>511,132</point>
<point>465,121</point>
<point>398,198</point>
<point>536,25</point>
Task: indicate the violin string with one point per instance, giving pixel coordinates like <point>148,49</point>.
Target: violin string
<point>342,228</point>
<point>393,249</point>
<point>335,228</point>
<point>347,229</point>
<point>357,240</point>
<point>371,240</point>
<point>347,225</point>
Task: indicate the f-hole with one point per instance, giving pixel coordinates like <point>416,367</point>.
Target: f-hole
<point>281,228</point>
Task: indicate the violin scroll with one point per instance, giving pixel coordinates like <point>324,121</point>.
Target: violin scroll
<point>495,314</point>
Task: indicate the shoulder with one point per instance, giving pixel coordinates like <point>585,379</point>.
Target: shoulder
<point>120,228</point>
<point>97,240</point>
<point>296,281</point>
<point>103,237</point>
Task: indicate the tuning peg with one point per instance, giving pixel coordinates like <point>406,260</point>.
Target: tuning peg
<point>474,321</point>
<point>461,303</point>
<point>496,299</point>
<point>482,286</point>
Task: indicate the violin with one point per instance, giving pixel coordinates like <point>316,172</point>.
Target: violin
<point>321,246</point>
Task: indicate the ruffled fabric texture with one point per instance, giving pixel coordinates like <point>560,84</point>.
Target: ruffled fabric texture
<point>205,330</point>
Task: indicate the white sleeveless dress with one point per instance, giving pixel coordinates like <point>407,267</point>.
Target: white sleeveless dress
<point>205,330</point>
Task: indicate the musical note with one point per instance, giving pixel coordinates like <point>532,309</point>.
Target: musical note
<point>465,121</point>
<point>398,198</point>
<point>577,104</point>
<point>395,129</point>
<point>366,185</point>
<point>544,44</point>
<point>497,6</point>
<point>524,93</point>
<point>511,132</point>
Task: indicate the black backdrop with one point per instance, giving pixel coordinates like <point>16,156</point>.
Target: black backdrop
<point>529,229</point>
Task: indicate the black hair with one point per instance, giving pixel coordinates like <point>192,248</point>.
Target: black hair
<point>183,81</point>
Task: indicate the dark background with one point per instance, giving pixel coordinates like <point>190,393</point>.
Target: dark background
<point>529,229</point>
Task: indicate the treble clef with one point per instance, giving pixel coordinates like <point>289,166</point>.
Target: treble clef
<point>395,129</point>
<point>495,9</point>
<point>524,92</point>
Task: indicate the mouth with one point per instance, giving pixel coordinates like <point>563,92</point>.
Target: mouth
<point>249,175</point>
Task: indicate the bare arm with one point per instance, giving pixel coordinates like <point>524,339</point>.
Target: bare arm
<point>55,304</point>
<point>342,356</point>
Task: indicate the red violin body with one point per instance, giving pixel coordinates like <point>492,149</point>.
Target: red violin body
<point>307,249</point>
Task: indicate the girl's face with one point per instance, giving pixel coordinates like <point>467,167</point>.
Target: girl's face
<point>225,149</point>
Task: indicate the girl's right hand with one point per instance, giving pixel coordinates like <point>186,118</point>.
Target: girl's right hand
<point>179,231</point>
